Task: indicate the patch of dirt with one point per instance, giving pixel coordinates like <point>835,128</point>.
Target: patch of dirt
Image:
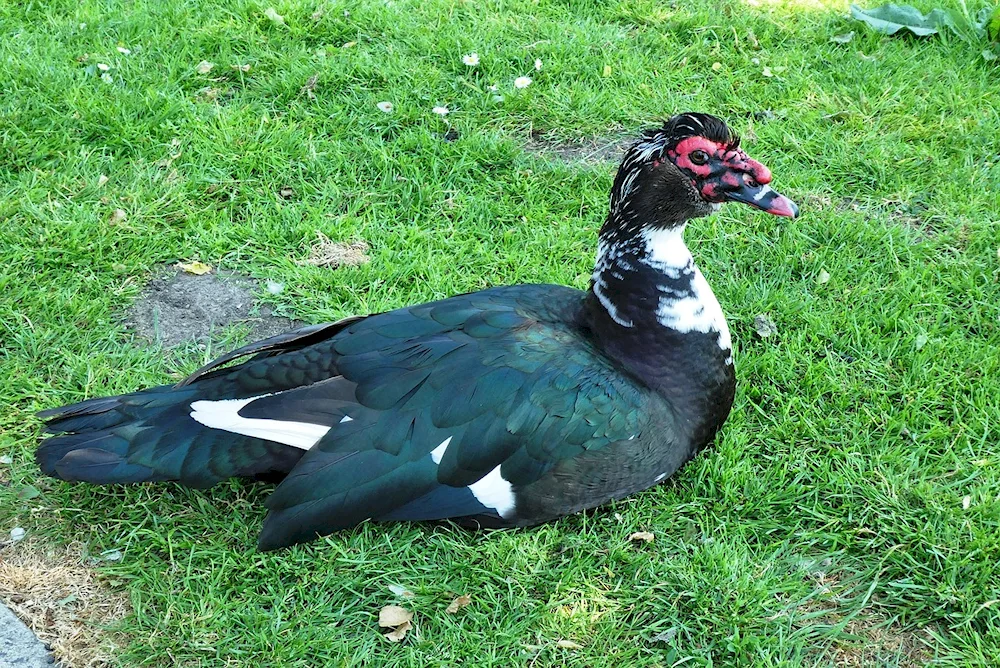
<point>880,641</point>
<point>178,307</point>
<point>882,644</point>
<point>333,254</point>
<point>586,151</point>
<point>63,601</point>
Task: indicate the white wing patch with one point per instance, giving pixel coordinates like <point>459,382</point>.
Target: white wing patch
<point>438,453</point>
<point>494,492</point>
<point>225,415</point>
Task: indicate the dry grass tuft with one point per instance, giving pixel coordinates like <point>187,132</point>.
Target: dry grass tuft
<point>63,600</point>
<point>584,151</point>
<point>882,644</point>
<point>333,254</point>
<point>879,640</point>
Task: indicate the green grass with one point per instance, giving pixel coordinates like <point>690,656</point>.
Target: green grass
<point>833,499</point>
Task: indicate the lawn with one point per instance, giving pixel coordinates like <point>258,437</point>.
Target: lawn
<point>850,510</point>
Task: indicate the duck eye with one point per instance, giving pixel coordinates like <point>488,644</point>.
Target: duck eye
<point>699,157</point>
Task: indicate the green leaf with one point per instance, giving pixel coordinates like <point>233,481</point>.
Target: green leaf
<point>993,27</point>
<point>890,19</point>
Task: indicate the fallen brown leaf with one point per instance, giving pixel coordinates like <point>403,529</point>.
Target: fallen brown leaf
<point>117,216</point>
<point>642,535</point>
<point>458,604</point>
<point>394,615</point>
<point>287,192</point>
<point>399,632</point>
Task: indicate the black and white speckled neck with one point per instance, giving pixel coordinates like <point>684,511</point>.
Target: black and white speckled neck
<point>651,279</point>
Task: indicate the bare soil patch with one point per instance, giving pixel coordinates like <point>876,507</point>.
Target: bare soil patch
<point>63,601</point>
<point>866,638</point>
<point>178,307</point>
<point>585,151</point>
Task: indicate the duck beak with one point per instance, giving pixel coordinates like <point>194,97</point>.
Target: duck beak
<point>763,198</point>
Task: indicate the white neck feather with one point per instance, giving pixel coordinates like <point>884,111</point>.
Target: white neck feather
<point>694,310</point>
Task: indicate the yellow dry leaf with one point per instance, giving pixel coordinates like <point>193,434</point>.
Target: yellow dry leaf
<point>642,535</point>
<point>204,67</point>
<point>399,632</point>
<point>716,66</point>
<point>607,70</point>
<point>348,45</point>
<point>101,180</point>
<point>198,268</point>
<point>394,615</point>
<point>458,604</point>
<point>569,644</point>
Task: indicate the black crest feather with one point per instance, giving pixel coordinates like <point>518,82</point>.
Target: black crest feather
<point>693,124</point>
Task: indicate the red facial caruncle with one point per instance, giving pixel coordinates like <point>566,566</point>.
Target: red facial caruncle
<point>723,172</point>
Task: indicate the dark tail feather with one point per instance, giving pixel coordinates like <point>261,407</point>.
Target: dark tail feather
<point>149,437</point>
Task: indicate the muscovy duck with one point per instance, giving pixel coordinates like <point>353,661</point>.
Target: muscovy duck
<point>506,407</point>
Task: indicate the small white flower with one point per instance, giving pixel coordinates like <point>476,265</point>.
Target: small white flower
<point>385,107</point>
<point>522,82</point>
<point>122,50</point>
<point>104,67</point>
<point>107,78</point>
<point>440,111</point>
<point>538,64</point>
<point>494,88</point>
<point>471,59</point>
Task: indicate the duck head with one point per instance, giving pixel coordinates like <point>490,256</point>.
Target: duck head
<point>688,169</point>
